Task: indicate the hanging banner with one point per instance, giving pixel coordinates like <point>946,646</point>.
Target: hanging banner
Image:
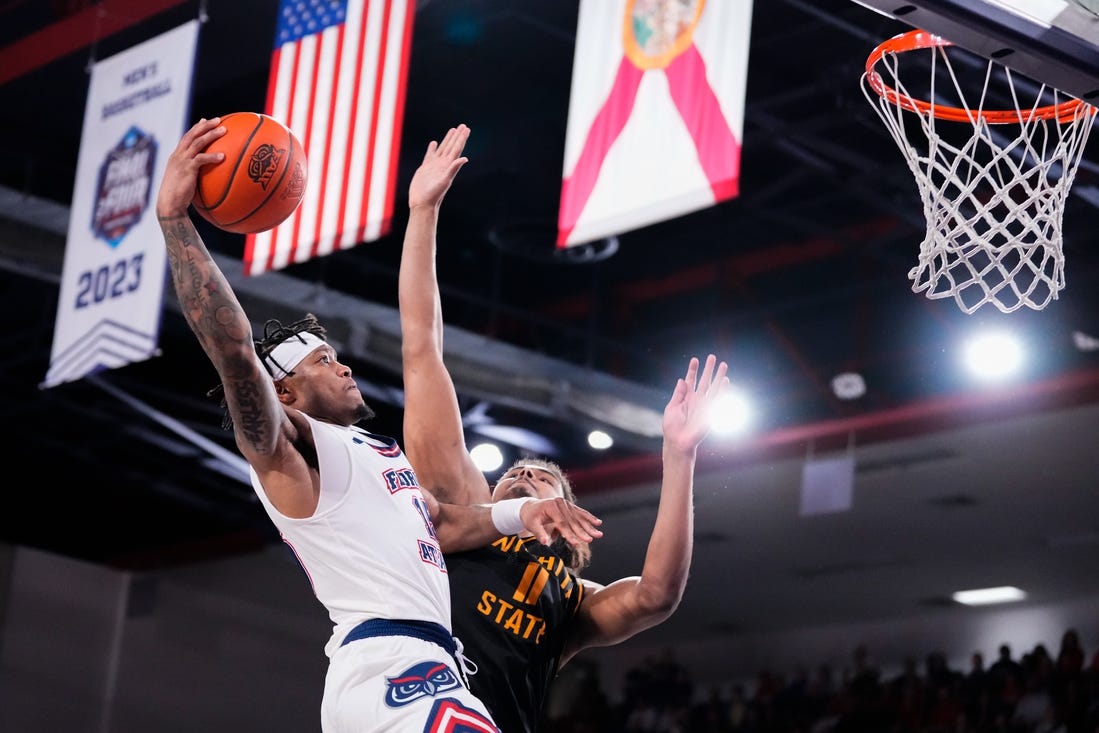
<point>112,279</point>
<point>656,113</point>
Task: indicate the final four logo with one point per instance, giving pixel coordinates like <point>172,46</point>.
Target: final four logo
<point>123,187</point>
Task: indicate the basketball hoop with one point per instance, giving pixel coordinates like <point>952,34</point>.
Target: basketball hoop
<point>993,200</point>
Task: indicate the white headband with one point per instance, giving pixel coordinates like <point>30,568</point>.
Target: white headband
<point>288,354</point>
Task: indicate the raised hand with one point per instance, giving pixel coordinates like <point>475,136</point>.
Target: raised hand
<point>556,517</point>
<point>687,415</point>
<point>177,187</point>
<point>440,165</point>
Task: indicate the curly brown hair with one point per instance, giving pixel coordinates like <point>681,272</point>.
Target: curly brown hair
<point>577,557</point>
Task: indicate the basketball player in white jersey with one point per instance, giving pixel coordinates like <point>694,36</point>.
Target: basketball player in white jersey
<point>345,501</point>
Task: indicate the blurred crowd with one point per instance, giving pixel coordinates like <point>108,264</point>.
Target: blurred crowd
<point>1034,692</point>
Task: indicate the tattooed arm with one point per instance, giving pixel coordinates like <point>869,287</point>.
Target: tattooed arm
<point>264,433</point>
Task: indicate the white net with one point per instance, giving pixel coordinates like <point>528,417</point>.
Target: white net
<point>993,183</point>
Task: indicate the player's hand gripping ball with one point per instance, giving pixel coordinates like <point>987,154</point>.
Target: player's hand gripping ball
<point>261,180</point>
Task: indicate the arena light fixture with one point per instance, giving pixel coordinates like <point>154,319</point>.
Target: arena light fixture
<point>994,355</point>
<point>487,457</point>
<point>989,596</point>
<point>731,414</point>
<point>600,440</point>
<point>848,386</point>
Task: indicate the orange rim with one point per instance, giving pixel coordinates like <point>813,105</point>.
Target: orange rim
<point>916,40</point>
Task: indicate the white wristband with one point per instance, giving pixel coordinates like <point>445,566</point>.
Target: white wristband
<point>505,515</point>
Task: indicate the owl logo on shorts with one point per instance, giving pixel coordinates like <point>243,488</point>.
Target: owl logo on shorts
<point>426,679</point>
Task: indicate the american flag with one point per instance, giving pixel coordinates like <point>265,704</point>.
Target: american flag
<point>338,73</point>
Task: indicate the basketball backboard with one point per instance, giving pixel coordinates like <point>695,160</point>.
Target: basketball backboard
<point>1051,41</point>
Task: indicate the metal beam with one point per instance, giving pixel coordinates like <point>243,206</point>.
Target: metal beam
<point>481,367</point>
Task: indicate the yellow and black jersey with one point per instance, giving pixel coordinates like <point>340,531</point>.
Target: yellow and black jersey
<point>514,604</point>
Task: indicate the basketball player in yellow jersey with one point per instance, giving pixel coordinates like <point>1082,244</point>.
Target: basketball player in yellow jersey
<point>520,604</point>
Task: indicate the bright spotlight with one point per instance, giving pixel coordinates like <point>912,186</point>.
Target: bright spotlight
<point>487,457</point>
<point>994,355</point>
<point>599,440</point>
<point>731,414</point>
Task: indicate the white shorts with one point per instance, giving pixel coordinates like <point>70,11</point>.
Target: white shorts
<point>398,684</point>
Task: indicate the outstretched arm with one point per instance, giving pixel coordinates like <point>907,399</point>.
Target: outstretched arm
<point>468,526</point>
<point>215,315</point>
<point>614,613</point>
<point>433,435</point>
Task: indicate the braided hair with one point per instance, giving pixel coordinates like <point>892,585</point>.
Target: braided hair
<point>274,333</point>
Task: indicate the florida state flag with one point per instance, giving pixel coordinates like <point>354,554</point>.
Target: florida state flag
<point>656,113</point>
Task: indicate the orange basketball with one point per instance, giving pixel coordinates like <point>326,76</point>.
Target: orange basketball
<point>261,180</point>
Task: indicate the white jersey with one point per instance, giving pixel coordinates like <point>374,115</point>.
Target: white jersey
<point>369,550</point>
